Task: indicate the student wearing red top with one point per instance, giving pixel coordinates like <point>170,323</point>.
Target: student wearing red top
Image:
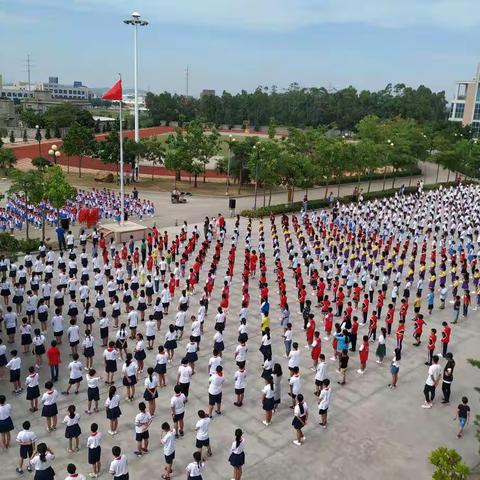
<point>328,323</point>
<point>354,333</point>
<point>320,291</point>
<point>316,350</point>
<point>380,301</point>
<point>363,354</point>
<point>340,301</point>
<point>400,333</point>
<point>403,308</point>
<point>446,332</point>
<point>253,263</point>
<point>310,331</point>
<point>432,340</point>
<point>417,333</point>
<point>53,355</point>
<point>356,294</point>
<point>365,305</point>
<point>372,327</point>
<point>302,296</point>
<point>389,318</point>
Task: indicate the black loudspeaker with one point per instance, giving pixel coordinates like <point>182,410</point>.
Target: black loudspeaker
<point>232,203</point>
<point>65,223</point>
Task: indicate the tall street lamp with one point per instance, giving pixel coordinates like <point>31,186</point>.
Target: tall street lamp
<point>136,21</point>
<point>390,144</point>
<point>38,138</point>
<point>257,166</point>
<point>231,140</point>
<point>54,153</point>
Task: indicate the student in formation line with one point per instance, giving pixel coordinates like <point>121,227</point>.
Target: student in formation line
<point>194,469</point>
<point>112,404</point>
<point>168,441</point>
<point>50,409</point>
<point>143,421</point>
<point>41,463</point>
<point>119,464</point>
<point>202,436</point>
<point>300,417</point>
<point>93,392</point>
<point>94,450</point>
<point>6,424</point>
<point>72,429</point>
<point>237,454</point>
<point>26,439</point>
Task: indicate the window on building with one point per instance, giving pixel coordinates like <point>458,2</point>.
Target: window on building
<point>476,112</point>
<point>475,129</point>
<point>459,110</point>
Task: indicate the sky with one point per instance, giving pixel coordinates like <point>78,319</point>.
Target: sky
<point>234,45</point>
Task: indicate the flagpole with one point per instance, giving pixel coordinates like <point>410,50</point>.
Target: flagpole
<point>122,193</point>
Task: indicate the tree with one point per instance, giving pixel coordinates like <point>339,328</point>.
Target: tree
<point>476,363</point>
<point>79,141</point>
<point>272,129</point>
<point>57,133</point>
<point>12,137</point>
<point>57,189</point>
<point>48,135</point>
<point>7,159</point>
<point>210,147</point>
<point>176,154</point>
<point>132,150</point>
<point>449,465</point>
<point>97,125</point>
<point>25,137</point>
<point>24,184</point>
<point>154,151</point>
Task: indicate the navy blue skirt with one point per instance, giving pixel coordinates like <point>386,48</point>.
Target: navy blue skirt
<point>161,368</point>
<point>3,360</point>
<point>219,346</point>
<point>6,425</point>
<point>140,355</point>
<point>170,345</point>
<point>268,404</point>
<point>88,352</point>
<point>100,304</point>
<point>237,459</point>
<point>47,474</point>
<point>113,413</point>
<point>110,366</point>
<point>93,394</point>
<point>33,392</point>
<point>39,349</point>
<point>191,357</point>
<point>50,410</point>
<point>73,431</point>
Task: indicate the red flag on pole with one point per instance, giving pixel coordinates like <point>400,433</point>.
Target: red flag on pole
<point>115,93</point>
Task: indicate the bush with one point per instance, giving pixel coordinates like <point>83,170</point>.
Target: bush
<point>322,202</point>
<point>411,172</point>
<point>9,245</point>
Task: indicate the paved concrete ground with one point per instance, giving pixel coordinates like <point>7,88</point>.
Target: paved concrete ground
<point>373,432</point>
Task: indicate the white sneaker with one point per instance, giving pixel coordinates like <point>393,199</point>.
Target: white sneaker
<point>332,359</point>
<point>361,371</point>
<point>296,442</point>
<point>426,405</point>
<point>265,423</point>
<point>307,346</point>
<point>111,432</point>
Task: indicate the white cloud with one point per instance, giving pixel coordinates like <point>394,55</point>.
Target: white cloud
<point>290,15</point>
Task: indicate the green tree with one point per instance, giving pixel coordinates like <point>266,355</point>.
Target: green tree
<point>7,159</point>
<point>154,151</point>
<point>448,465</point>
<point>12,137</point>
<point>24,184</point>
<point>132,150</point>
<point>79,141</point>
<point>177,154</point>
<point>57,133</point>
<point>476,364</point>
<point>57,189</point>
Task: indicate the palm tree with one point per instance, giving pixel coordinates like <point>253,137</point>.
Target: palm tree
<point>7,159</point>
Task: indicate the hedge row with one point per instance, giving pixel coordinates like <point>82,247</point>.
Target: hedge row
<point>323,203</point>
<point>9,245</point>
<point>411,172</point>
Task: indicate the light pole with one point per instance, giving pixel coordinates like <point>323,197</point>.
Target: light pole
<point>54,153</point>
<point>227,181</point>
<point>257,165</point>
<point>389,144</point>
<point>136,21</point>
<point>38,138</point>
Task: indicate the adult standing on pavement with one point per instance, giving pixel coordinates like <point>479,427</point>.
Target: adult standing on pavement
<point>434,375</point>
<point>447,378</point>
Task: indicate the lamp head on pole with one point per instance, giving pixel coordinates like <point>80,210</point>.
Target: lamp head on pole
<point>136,20</point>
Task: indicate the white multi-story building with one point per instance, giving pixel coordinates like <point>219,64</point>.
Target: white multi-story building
<point>466,104</point>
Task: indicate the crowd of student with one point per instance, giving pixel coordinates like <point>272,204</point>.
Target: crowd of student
<point>18,211</point>
<point>364,266</point>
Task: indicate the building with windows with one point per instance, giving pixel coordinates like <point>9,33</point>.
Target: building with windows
<point>466,104</point>
<point>21,91</point>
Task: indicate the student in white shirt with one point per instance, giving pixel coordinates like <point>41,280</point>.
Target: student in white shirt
<point>151,394</point>
<point>119,465</point>
<point>72,429</point>
<point>14,365</point>
<point>76,369</point>
<point>295,385</point>
<point>161,366</point>
<point>94,450</point>
<point>177,406</point>
<point>93,393</point>
<point>184,375</point>
<point>142,423</point>
<point>73,335</point>
<point>324,402</point>
<point>194,469</point>
<point>320,374</point>
<point>150,330</point>
<point>112,404</point>
<point>215,391</point>
<point>72,473</point>
<point>202,438</point>
<point>33,392</point>
<point>168,441</point>
<point>26,439</point>
<point>6,424</point>
<point>41,462</point>
<point>240,383</point>
<point>237,454</point>
<point>300,417</point>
